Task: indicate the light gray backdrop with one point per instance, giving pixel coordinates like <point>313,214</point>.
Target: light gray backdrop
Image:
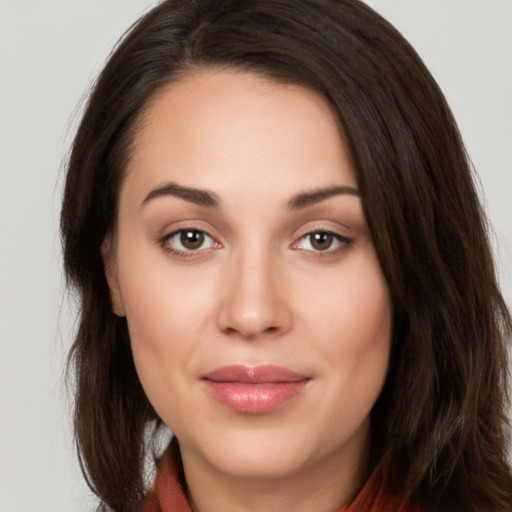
<point>49,53</point>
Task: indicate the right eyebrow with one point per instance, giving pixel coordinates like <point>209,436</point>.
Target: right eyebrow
<point>305,199</point>
<point>192,195</point>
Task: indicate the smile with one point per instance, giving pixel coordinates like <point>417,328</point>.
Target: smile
<point>254,390</point>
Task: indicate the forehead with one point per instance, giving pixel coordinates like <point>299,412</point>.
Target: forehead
<point>215,128</point>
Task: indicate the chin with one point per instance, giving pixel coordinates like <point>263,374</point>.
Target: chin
<point>261,461</point>
<point>267,452</point>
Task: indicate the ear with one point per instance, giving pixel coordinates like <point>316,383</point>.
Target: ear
<point>110,267</point>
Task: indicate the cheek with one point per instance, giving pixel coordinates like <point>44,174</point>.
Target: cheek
<point>165,314</point>
<point>351,319</point>
<point>160,299</point>
<point>353,309</point>
<point>367,321</point>
<point>367,339</point>
<point>367,316</point>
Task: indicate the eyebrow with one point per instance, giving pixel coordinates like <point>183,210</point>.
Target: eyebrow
<point>305,199</point>
<point>192,195</point>
<point>212,200</point>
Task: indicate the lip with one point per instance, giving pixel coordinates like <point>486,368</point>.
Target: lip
<point>254,390</point>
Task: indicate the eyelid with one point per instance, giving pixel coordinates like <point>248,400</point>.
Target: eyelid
<point>164,230</point>
<point>184,230</point>
<point>321,226</point>
<point>331,227</point>
<point>341,240</point>
<point>184,252</point>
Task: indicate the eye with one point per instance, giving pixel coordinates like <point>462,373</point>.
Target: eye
<point>322,241</point>
<point>186,241</point>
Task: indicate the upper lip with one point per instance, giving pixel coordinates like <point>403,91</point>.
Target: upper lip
<point>254,374</point>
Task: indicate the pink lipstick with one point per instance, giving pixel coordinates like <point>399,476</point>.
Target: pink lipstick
<point>254,390</point>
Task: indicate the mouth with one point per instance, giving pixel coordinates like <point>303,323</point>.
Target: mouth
<point>254,390</point>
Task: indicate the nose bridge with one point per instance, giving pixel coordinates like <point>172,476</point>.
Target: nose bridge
<point>252,302</point>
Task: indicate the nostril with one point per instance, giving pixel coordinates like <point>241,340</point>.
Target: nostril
<point>252,309</point>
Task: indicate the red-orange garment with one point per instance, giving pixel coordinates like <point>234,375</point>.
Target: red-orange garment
<point>168,494</point>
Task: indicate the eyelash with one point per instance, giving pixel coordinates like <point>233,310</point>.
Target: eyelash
<point>342,242</point>
<point>184,253</point>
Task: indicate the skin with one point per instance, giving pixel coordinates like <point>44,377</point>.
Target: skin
<point>257,291</point>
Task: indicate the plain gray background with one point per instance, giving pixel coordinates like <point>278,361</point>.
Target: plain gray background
<point>49,53</point>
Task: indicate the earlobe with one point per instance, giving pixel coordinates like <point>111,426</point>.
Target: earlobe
<point>109,265</point>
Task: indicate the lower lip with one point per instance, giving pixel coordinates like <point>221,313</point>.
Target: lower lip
<point>256,398</point>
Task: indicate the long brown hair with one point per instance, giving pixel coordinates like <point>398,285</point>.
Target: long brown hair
<point>439,428</point>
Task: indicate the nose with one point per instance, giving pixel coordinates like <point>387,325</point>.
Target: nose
<point>253,300</point>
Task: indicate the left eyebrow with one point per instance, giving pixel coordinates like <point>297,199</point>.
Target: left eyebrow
<point>304,199</point>
<point>192,195</point>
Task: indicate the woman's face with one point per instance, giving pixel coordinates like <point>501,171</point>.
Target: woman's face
<point>259,317</point>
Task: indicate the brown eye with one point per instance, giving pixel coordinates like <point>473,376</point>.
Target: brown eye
<point>321,241</point>
<point>187,242</point>
<point>192,240</point>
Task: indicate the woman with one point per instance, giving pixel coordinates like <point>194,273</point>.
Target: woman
<point>270,218</point>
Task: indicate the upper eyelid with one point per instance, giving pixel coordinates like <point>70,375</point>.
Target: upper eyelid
<point>186,228</point>
<point>339,236</point>
<point>322,230</point>
<point>174,232</point>
<point>192,226</point>
<point>183,252</point>
<point>299,234</point>
<point>322,227</point>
